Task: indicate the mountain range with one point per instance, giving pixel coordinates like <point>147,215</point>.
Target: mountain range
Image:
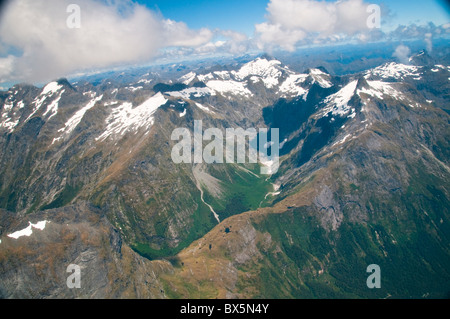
<point>86,178</point>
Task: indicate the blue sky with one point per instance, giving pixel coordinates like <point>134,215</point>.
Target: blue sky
<point>237,15</point>
<point>242,15</point>
<point>418,11</point>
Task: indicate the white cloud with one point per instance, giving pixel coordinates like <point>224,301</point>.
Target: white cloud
<point>237,42</point>
<point>6,65</point>
<point>292,21</point>
<point>269,36</point>
<point>111,33</point>
<point>178,34</point>
<point>223,42</point>
<point>402,53</point>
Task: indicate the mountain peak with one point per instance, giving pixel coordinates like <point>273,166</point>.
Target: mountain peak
<point>316,70</point>
<point>421,59</point>
<point>362,83</point>
<point>65,83</point>
<point>322,68</point>
<point>267,70</point>
<point>267,57</point>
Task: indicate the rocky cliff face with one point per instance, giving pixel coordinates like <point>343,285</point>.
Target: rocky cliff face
<point>36,266</point>
<point>363,179</point>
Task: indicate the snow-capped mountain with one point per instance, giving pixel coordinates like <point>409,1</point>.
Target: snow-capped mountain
<point>245,82</point>
<point>364,171</point>
<point>270,73</point>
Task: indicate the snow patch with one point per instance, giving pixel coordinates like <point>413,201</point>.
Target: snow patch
<point>73,122</point>
<point>9,124</point>
<point>352,114</point>
<point>47,91</point>
<point>144,81</point>
<point>379,89</point>
<point>133,89</point>
<point>10,120</point>
<point>322,78</point>
<point>109,103</point>
<point>8,106</point>
<point>204,108</point>
<point>338,103</point>
<point>255,79</point>
<point>29,230</point>
<point>91,94</point>
<point>53,106</point>
<point>230,87</point>
<point>222,75</point>
<point>192,92</point>
<point>291,86</point>
<point>125,118</point>
<point>394,70</point>
<point>205,77</point>
<point>346,137</point>
<point>51,88</point>
<point>187,78</point>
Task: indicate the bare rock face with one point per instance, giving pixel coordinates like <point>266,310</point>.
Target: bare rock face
<point>37,266</point>
<point>248,250</point>
<point>329,209</point>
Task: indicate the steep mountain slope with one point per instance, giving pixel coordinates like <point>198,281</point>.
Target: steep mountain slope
<point>363,179</point>
<point>378,195</point>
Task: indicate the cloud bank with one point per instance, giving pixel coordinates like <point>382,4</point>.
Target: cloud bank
<point>293,22</point>
<point>111,33</point>
<point>402,53</point>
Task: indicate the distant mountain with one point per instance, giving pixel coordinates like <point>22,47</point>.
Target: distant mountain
<point>86,178</point>
<point>421,58</point>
